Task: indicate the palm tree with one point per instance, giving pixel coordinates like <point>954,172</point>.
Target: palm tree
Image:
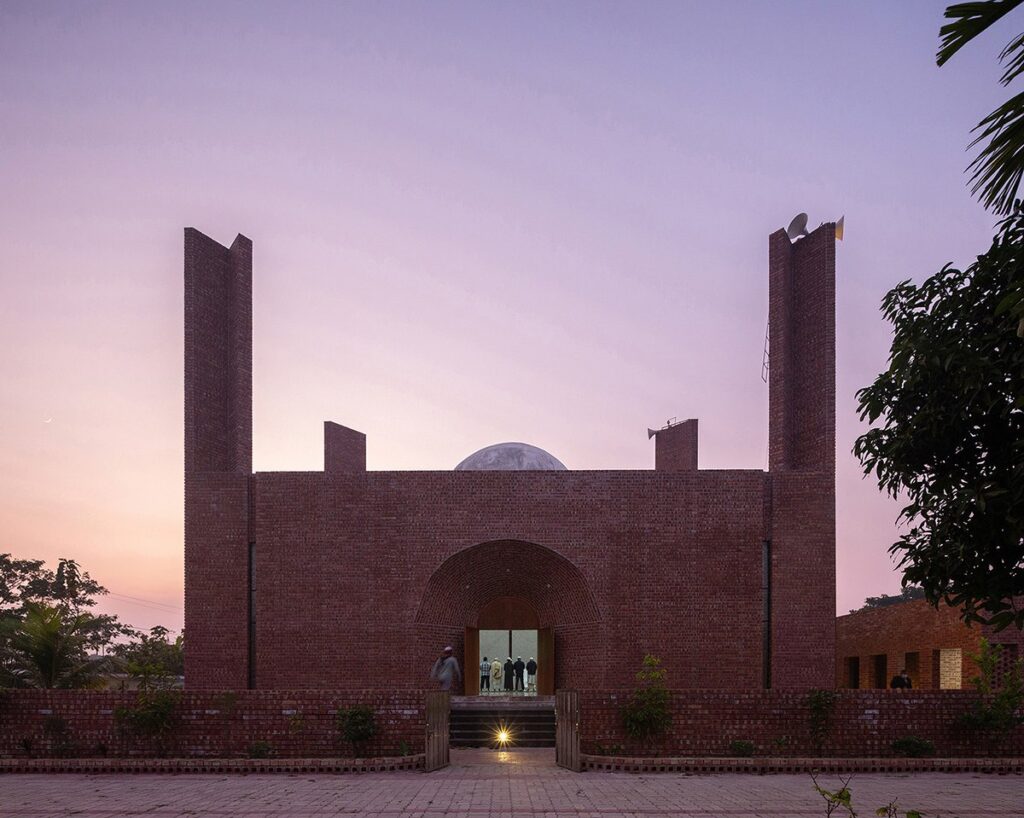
<point>47,649</point>
<point>997,170</point>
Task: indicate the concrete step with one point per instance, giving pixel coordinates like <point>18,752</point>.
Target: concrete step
<point>473,725</point>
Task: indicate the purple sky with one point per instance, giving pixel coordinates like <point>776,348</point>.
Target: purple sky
<point>472,223</point>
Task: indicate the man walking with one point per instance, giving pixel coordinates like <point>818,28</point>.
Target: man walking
<point>446,669</point>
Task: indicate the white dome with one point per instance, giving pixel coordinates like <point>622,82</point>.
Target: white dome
<point>511,457</point>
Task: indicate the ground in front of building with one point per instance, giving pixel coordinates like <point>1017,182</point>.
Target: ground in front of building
<point>482,783</point>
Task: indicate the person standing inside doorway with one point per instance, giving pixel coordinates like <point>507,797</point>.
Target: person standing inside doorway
<point>446,669</point>
<point>531,676</point>
<point>519,667</point>
<point>485,675</point>
<point>510,670</point>
<point>496,673</point>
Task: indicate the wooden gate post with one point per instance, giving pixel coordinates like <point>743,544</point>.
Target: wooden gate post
<point>567,730</point>
<point>438,708</point>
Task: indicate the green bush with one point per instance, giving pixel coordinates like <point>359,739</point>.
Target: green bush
<point>152,717</point>
<point>260,749</point>
<point>997,711</point>
<point>647,715</point>
<point>741,748</point>
<point>822,704</point>
<point>357,726</point>
<point>913,747</point>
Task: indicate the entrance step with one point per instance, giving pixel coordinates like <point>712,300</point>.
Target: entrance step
<point>475,720</point>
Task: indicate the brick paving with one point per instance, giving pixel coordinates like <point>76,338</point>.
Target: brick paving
<point>483,783</point>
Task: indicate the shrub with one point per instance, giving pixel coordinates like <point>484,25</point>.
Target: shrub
<point>647,716</point>
<point>913,747</point>
<point>260,749</point>
<point>152,717</point>
<point>357,726</point>
<point>996,713</point>
<point>403,748</point>
<point>741,748</point>
<point>821,703</point>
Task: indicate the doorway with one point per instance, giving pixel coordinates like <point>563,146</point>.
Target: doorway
<point>509,628</point>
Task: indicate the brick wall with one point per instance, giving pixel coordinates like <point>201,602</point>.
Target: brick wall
<point>865,723</point>
<point>209,724</point>
<point>349,567</point>
<point>893,632</point>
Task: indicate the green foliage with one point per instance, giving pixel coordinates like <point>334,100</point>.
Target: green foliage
<point>403,748</point>
<point>822,704</point>
<point>647,715</point>
<point>152,659</point>
<point>949,431</point>
<point>913,747</point>
<point>260,749</point>
<point>357,726</point>
<point>152,717</point>
<point>998,710</point>
<point>836,800</point>
<point>908,594</point>
<point>997,170</point>
<point>741,748</point>
<point>840,801</point>
<point>47,648</point>
<point>24,583</point>
<point>779,744</point>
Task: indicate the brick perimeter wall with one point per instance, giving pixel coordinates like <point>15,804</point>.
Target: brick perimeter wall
<point>865,723</point>
<point>296,724</point>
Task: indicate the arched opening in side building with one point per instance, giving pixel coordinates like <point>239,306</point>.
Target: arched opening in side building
<point>520,600</point>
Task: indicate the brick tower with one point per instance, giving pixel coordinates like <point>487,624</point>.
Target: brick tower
<point>218,458</point>
<point>802,458</point>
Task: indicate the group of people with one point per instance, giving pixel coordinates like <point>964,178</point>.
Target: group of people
<point>508,676</point>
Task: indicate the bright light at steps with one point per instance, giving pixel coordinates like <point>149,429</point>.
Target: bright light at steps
<point>503,736</point>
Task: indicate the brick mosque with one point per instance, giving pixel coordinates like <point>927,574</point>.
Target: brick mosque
<point>347,578</point>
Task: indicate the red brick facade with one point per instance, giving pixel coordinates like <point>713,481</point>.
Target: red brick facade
<point>873,646</point>
<point>347,578</point>
<point>864,723</point>
<point>208,724</point>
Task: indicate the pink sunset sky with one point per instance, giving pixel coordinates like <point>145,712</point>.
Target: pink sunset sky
<point>472,223</point>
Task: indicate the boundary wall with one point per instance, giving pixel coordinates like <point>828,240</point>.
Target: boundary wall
<point>864,724</point>
<point>207,724</point>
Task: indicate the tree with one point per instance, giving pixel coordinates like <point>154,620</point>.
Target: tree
<point>997,170</point>
<point>48,648</point>
<point>951,434</point>
<point>24,582</point>
<point>153,659</point>
<point>909,593</point>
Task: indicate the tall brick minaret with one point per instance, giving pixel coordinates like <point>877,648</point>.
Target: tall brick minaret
<point>802,457</point>
<point>218,459</point>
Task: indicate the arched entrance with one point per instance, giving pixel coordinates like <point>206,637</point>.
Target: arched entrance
<point>512,585</point>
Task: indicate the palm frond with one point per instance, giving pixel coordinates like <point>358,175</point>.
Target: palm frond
<point>1013,57</point>
<point>997,170</point>
<point>967,21</point>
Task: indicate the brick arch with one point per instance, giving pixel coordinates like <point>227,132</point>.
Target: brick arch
<point>469,580</point>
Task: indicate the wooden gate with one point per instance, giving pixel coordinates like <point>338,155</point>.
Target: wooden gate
<point>438,710</point>
<point>567,726</point>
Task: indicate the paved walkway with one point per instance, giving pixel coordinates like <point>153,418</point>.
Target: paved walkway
<point>481,783</point>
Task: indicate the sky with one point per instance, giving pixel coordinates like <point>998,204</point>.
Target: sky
<point>472,223</point>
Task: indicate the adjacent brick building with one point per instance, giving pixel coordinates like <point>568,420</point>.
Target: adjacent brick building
<point>347,578</point>
<point>932,644</point>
